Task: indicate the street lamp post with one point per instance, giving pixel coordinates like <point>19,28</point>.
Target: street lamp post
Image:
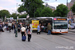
<point>16,22</point>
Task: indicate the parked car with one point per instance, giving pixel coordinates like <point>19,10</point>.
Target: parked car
<point>73,25</point>
<point>70,26</point>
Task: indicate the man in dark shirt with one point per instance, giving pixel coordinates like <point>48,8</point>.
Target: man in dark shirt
<point>49,28</point>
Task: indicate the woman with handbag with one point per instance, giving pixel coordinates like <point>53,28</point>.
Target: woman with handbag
<point>29,34</point>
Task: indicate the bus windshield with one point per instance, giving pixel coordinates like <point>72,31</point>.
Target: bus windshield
<point>60,25</point>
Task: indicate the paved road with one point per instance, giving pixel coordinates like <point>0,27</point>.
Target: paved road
<point>8,41</point>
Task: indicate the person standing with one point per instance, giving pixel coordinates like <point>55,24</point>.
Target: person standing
<point>19,27</point>
<point>29,34</point>
<point>42,28</point>
<point>23,33</point>
<point>49,28</point>
<point>1,28</point>
<point>39,28</point>
<point>27,28</point>
<point>10,25</point>
<point>15,30</point>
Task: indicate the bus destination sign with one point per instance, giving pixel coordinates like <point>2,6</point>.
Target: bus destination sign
<point>61,19</point>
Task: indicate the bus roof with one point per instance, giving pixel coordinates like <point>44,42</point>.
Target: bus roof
<point>49,17</point>
<point>22,19</point>
<point>43,17</point>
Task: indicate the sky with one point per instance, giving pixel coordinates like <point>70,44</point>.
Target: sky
<point>56,3</point>
<point>12,5</point>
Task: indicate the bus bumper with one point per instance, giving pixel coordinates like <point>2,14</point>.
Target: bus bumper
<point>59,32</point>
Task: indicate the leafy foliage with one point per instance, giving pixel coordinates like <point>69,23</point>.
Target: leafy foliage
<point>14,15</point>
<point>4,13</point>
<point>61,10</point>
<point>31,6</point>
<point>73,8</point>
<point>21,9</point>
<point>46,12</point>
<point>38,12</point>
<point>23,16</point>
<point>0,14</point>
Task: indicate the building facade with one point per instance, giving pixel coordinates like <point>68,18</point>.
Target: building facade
<point>70,14</point>
<point>53,8</point>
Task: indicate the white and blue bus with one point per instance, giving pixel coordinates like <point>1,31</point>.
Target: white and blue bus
<point>59,24</point>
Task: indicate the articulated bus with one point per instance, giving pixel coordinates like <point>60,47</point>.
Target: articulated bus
<point>59,24</point>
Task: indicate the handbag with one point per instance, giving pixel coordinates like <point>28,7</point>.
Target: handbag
<point>28,32</point>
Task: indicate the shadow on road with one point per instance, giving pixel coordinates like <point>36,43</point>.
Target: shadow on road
<point>57,34</point>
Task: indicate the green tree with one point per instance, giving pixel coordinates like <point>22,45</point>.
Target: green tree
<point>32,5</point>
<point>14,15</point>
<point>23,16</point>
<point>4,13</point>
<point>55,13</point>
<point>0,14</point>
<point>38,12</point>
<point>61,10</point>
<point>73,8</point>
<point>21,9</point>
<point>46,12</point>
